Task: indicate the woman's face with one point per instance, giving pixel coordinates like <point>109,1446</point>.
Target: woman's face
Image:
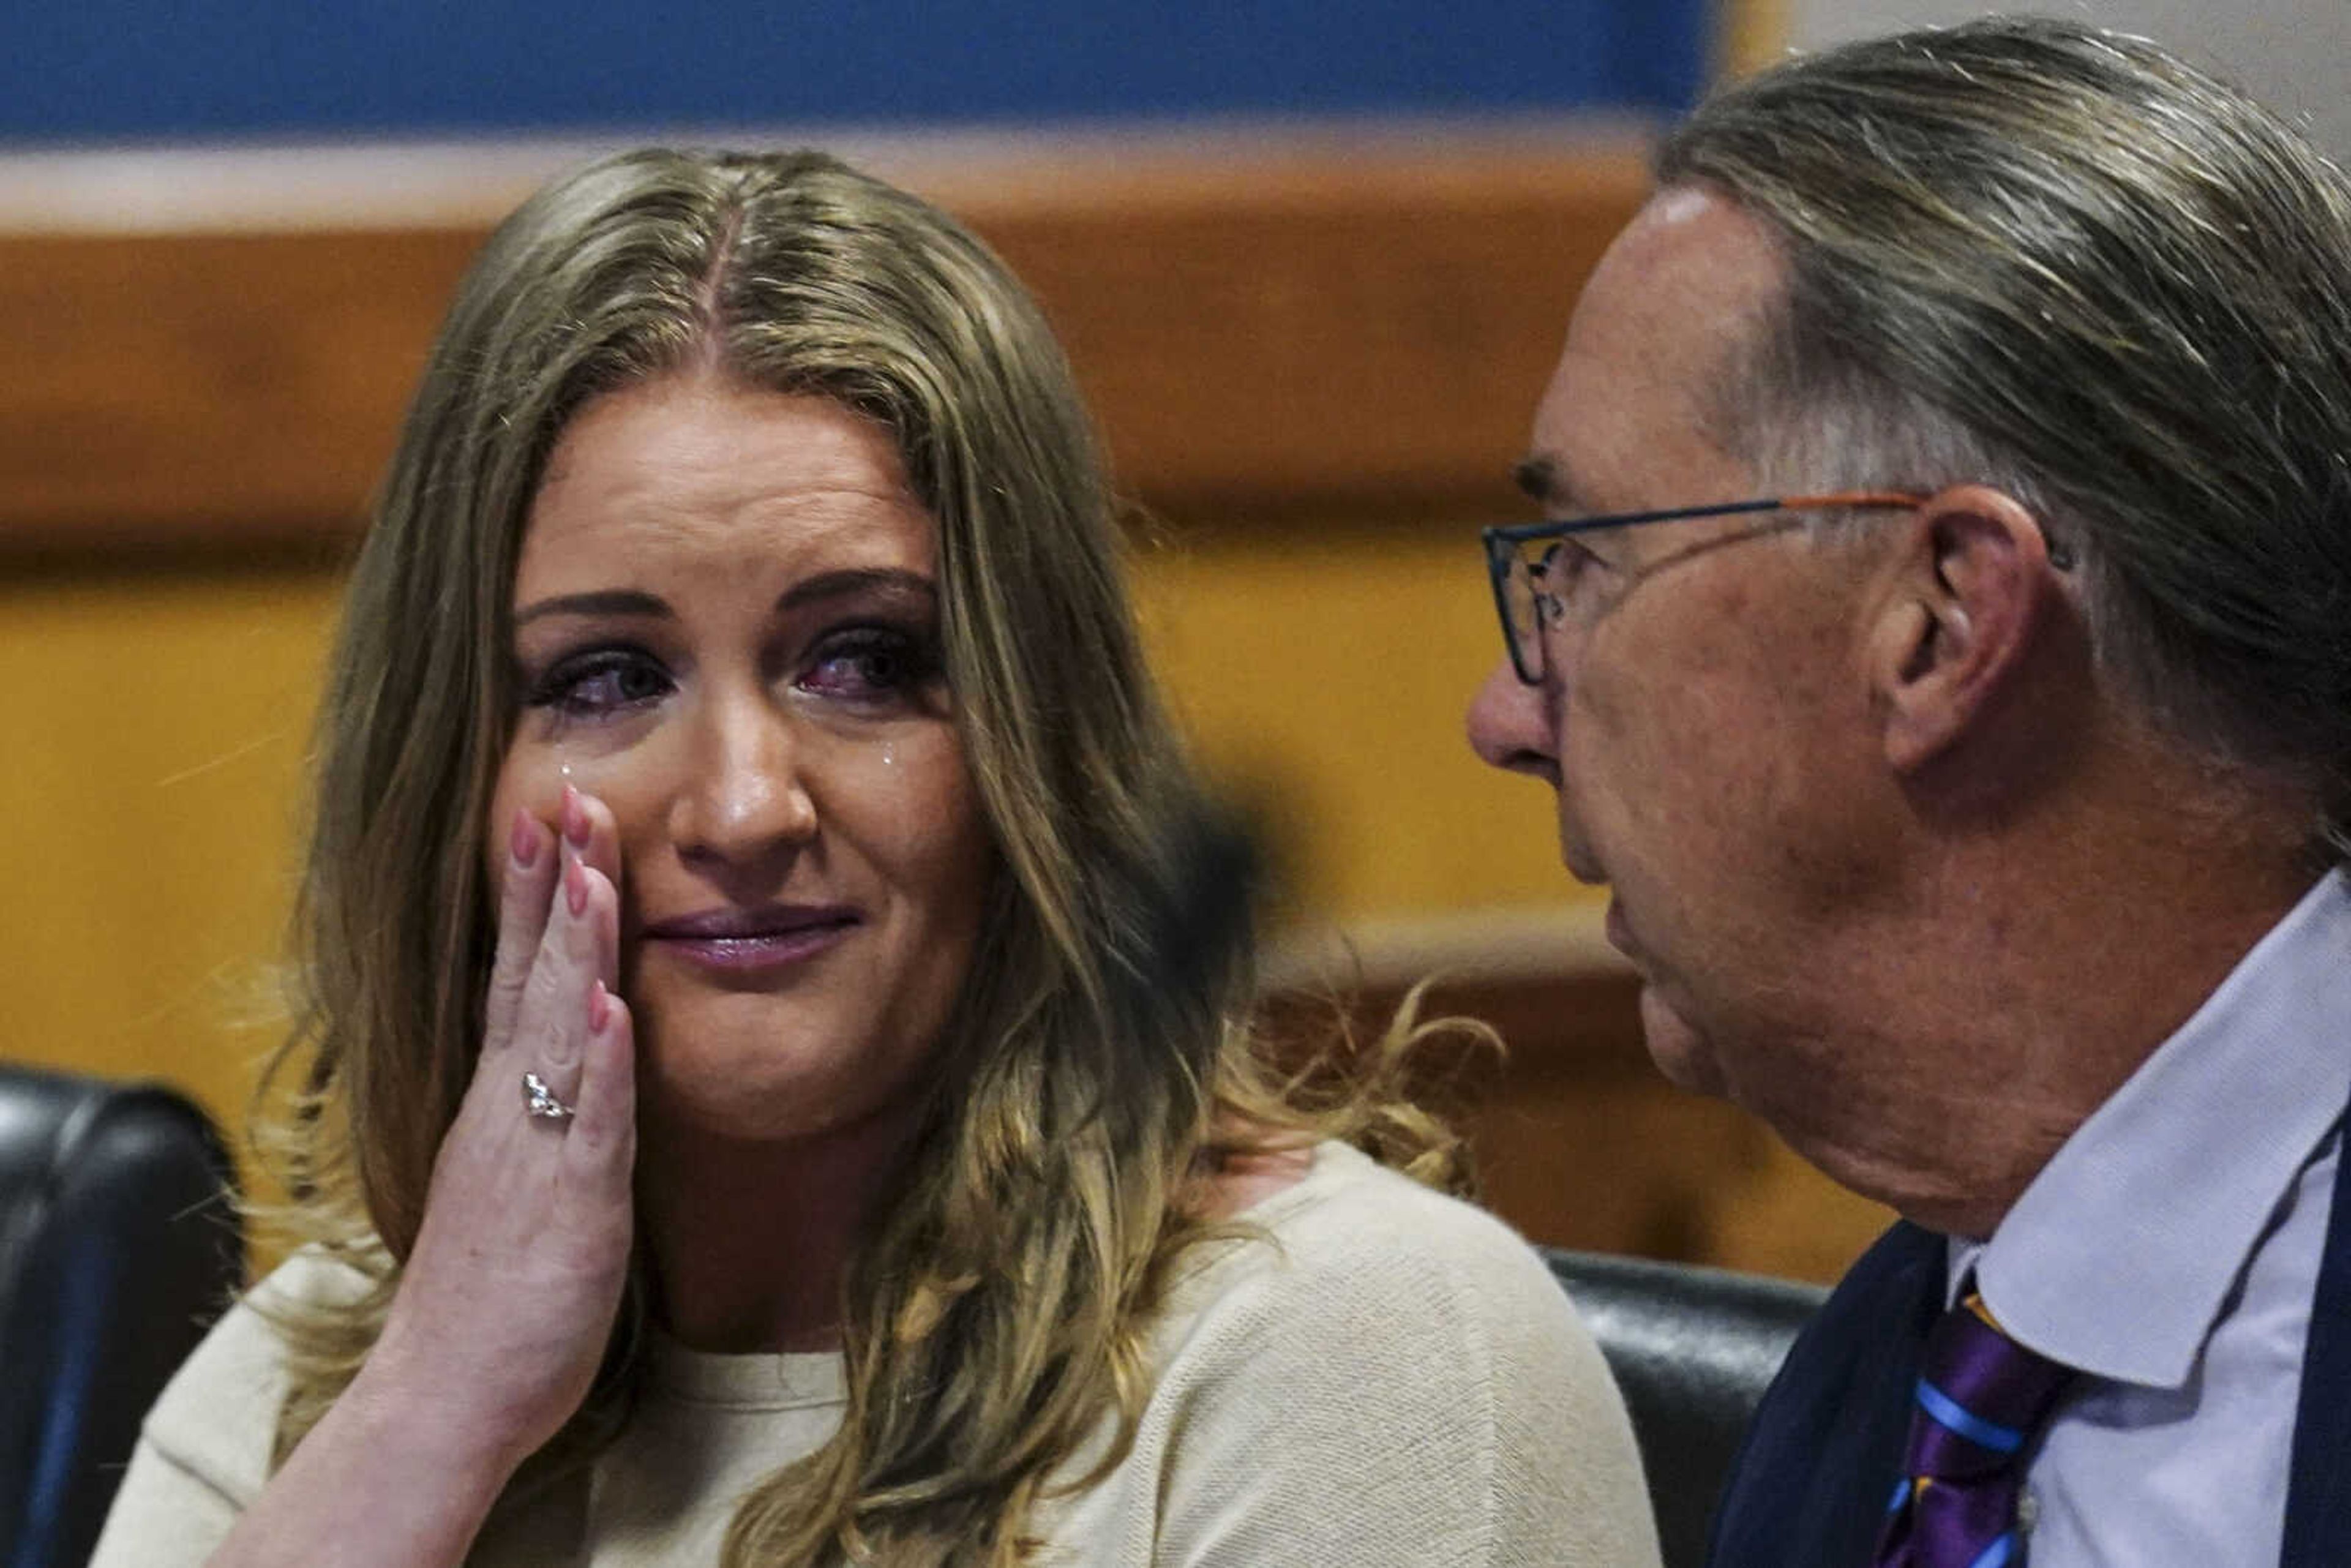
<point>727,629</point>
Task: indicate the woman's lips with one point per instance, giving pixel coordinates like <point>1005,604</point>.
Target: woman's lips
<point>757,940</point>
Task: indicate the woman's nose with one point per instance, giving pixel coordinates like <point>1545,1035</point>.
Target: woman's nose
<point>744,794</point>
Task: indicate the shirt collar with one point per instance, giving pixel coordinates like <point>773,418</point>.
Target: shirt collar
<point>2120,1255</point>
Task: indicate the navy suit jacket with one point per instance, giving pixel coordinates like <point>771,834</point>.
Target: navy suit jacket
<point>1810,1485</point>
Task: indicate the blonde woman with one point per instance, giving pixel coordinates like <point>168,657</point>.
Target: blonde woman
<point>772,1092</point>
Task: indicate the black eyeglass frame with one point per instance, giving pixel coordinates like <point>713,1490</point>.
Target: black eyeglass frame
<point>1502,543</point>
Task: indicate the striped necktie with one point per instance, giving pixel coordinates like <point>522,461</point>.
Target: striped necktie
<point>1982,1400</point>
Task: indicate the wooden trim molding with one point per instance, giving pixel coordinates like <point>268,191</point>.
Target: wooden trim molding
<point>1266,324</point>
<point>1563,1002</point>
<point>1565,944</point>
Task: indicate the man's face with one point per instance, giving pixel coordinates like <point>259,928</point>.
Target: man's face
<point>1707,730</point>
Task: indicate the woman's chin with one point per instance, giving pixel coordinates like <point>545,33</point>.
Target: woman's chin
<point>768,1085</point>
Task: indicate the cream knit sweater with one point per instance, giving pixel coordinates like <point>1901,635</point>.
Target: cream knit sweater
<point>1395,1380</point>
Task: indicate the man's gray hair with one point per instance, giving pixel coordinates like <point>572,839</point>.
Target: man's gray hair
<point>2064,262</point>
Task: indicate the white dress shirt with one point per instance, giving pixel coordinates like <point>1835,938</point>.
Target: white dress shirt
<point>2169,1250</point>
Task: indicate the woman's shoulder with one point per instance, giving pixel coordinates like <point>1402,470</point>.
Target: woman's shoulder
<point>1391,1364</point>
<point>1351,1225</point>
<point>217,1418</point>
<point>1359,1271</point>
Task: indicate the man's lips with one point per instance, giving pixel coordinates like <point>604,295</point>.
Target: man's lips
<point>753,938</point>
<point>1619,930</point>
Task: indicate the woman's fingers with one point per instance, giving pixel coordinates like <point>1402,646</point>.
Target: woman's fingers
<point>578,952</point>
<point>532,865</point>
<point>603,1136</point>
<point>578,948</point>
<point>558,941</point>
<point>592,835</point>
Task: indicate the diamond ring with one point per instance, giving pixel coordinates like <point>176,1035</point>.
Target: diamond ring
<point>540,1100</point>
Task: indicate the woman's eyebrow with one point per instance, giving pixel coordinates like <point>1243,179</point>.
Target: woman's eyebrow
<point>825,585</point>
<point>603,601</point>
<point>892,580</point>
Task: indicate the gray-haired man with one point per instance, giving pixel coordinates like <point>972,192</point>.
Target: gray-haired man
<point>1972,771</point>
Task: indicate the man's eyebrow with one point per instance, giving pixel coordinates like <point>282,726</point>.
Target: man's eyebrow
<point>1532,477</point>
<point>891,581</point>
<point>1545,481</point>
<point>603,601</point>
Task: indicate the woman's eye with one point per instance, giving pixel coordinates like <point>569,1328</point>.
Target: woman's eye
<point>593,685</point>
<point>867,665</point>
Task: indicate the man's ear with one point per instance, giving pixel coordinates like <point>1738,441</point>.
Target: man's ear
<point>1958,614</point>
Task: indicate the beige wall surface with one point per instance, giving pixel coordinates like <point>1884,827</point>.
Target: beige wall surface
<point>2293,55</point>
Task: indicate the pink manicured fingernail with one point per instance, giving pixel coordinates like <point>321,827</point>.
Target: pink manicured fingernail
<point>600,1008</point>
<point>526,839</point>
<point>575,819</point>
<point>575,888</point>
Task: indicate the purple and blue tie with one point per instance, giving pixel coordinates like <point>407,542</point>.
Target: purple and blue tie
<point>1982,1401</point>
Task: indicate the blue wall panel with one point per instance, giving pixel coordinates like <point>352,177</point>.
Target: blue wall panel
<point>81,70</point>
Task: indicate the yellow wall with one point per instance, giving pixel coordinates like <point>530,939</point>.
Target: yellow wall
<point>1324,674</point>
<point>149,805</point>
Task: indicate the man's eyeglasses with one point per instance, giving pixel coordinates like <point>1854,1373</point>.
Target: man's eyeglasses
<point>1544,578</point>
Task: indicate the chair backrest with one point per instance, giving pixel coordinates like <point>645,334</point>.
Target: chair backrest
<point>117,1246</point>
<point>1693,1349</point>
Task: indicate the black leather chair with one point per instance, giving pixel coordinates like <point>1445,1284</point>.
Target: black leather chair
<point>117,1246</point>
<point>1693,1349</point>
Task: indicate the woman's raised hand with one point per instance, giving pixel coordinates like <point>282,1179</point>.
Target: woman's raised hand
<point>508,1298</point>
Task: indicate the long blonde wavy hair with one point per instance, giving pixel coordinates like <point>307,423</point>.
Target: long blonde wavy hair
<point>997,1311</point>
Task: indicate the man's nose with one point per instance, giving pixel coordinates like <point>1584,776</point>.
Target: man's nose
<point>1510,724</point>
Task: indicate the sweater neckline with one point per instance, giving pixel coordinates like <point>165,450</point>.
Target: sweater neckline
<point>757,1380</point>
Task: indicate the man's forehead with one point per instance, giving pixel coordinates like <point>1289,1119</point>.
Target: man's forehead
<point>1678,204</point>
<point>1679,293</point>
<point>1690,259</point>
